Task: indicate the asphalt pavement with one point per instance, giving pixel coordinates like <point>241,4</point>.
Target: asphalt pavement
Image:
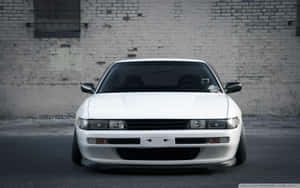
<point>44,160</point>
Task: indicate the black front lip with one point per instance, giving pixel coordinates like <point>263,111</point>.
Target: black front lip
<point>228,163</point>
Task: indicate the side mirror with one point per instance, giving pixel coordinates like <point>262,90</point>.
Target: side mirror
<point>232,87</point>
<point>87,88</point>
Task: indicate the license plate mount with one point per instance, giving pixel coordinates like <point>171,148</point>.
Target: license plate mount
<point>158,141</point>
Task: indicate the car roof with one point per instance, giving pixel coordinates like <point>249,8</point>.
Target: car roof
<point>161,59</point>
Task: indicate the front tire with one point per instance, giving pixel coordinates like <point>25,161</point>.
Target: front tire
<point>241,154</point>
<point>76,155</point>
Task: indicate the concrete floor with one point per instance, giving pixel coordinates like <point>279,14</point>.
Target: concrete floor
<point>44,161</point>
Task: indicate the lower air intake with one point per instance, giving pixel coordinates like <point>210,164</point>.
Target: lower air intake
<point>158,153</point>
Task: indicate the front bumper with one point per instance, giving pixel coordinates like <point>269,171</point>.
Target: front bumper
<point>210,153</point>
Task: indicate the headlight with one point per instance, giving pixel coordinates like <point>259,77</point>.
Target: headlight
<point>197,124</point>
<point>99,124</point>
<point>217,124</point>
<point>230,123</point>
<point>117,124</point>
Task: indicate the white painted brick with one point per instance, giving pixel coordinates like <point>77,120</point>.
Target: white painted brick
<point>249,42</point>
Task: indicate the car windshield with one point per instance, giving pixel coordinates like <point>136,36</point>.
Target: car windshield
<point>159,76</point>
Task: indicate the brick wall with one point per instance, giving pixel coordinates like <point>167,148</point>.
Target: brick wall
<point>251,41</point>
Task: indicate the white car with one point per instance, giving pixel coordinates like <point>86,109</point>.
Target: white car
<point>159,112</point>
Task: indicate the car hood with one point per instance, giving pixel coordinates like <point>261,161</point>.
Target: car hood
<point>152,105</point>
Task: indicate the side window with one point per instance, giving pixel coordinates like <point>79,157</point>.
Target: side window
<point>56,18</point>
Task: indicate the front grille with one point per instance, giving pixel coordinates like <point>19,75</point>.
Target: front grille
<point>158,153</point>
<point>156,124</point>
